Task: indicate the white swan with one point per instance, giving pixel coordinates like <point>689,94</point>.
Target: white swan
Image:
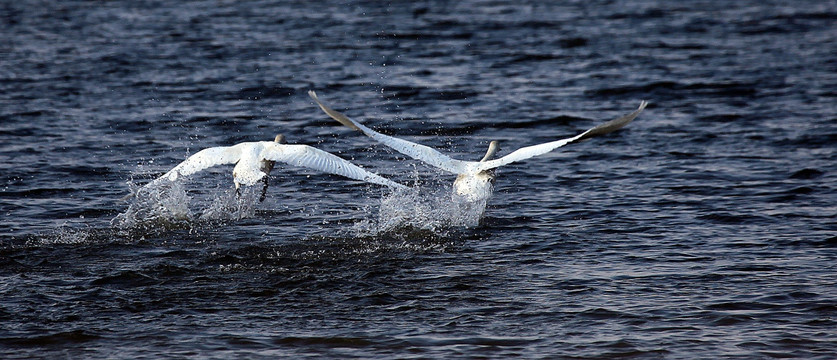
<point>475,179</point>
<point>254,161</point>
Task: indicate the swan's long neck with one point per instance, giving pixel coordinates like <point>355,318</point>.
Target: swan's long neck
<point>267,165</point>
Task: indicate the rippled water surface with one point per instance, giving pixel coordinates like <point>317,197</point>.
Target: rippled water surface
<point>704,229</point>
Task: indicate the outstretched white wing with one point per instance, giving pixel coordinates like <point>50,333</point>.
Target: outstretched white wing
<point>540,149</point>
<point>411,149</point>
<point>204,159</point>
<point>313,158</point>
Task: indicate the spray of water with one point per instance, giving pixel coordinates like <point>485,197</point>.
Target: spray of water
<point>422,210</point>
<point>165,204</point>
<point>430,210</point>
<point>231,206</point>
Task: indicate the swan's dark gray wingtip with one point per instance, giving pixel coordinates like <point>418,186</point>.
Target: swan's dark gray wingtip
<point>614,124</point>
<point>334,114</point>
<point>493,148</point>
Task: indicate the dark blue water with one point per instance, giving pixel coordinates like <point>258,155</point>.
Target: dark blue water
<point>707,228</point>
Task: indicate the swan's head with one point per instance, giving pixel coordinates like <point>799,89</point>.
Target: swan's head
<point>493,148</point>
<point>280,139</point>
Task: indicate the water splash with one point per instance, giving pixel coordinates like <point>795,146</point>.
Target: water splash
<point>63,235</point>
<point>167,205</point>
<point>231,206</point>
<point>424,210</point>
<point>163,204</point>
<point>434,211</point>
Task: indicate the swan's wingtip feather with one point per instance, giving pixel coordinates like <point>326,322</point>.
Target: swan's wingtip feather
<point>334,114</point>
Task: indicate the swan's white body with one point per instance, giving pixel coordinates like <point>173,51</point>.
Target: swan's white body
<point>475,178</point>
<point>254,161</point>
